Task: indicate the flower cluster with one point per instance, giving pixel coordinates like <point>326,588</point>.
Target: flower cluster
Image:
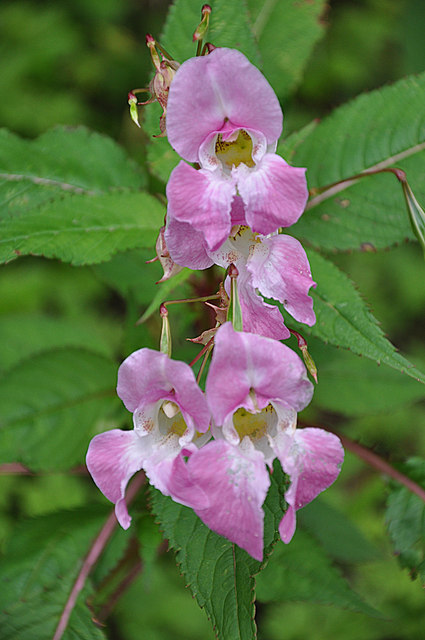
<point>213,451</point>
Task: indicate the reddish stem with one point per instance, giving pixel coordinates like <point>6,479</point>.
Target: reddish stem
<point>201,353</point>
<point>92,557</point>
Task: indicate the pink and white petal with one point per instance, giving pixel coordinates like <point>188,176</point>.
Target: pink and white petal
<point>274,193</point>
<point>259,316</point>
<point>279,268</point>
<point>186,245</point>
<point>237,212</point>
<point>207,90</point>
<point>236,484</point>
<point>312,458</point>
<point>148,376</point>
<point>188,395</point>
<point>203,199</point>
<point>112,458</point>
<point>142,380</point>
<point>244,361</point>
<point>227,385</point>
<point>181,486</point>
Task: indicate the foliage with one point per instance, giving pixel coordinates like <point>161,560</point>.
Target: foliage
<point>79,218</point>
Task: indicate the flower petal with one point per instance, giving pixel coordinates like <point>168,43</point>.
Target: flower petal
<point>280,270</point>
<point>112,458</point>
<point>203,199</point>
<point>274,193</point>
<point>207,90</point>
<point>186,245</point>
<point>242,362</point>
<point>236,483</point>
<point>147,376</point>
<point>312,458</point>
<point>257,315</point>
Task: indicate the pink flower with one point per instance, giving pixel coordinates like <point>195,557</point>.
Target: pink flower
<point>223,114</point>
<point>275,266</point>
<point>254,388</point>
<point>169,412</point>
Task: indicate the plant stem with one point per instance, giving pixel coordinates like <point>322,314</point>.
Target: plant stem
<point>92,556</point>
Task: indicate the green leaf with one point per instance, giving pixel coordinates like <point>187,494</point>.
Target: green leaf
<point>24,335</point>
<point>58,200</point>
<point>51,404</point>
<point>406,520</point>
<point>229,27</point>
<point>342,319</point>
<point>302,571</point>
<point>42,560</point>
<point>66,159</point>
<point>383,128</point>
<point>337,535</point>
<point>286,33</point>
<point>163,291</point>
<point>357,386</point>
<point>219,573</point>
<point>82,229</point>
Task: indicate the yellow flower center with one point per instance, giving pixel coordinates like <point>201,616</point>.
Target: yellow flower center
<point>234,152</point>
<point>253,425</point>
<point>174,418</point>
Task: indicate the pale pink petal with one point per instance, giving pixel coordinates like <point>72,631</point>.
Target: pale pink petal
<point>203,199</point>
<point>147,376</point>
<point>312,458</point>
<point>236,484</point>
<point>112,458</point>
<point>259,316</point>
<point>274,193</point>
<point>242,362</point>
<point>186,245</point>
<point>180,485</point>
<point>207,90</point>
<point>279,268</point>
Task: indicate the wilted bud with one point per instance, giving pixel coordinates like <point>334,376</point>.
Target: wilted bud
<point>159,86</point>
<point>308,360</point>
<point>169,266</point>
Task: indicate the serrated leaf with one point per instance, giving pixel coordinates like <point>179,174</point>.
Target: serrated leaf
<point>405,518</point>
<point>50,405</point>
<point>383,128</point>
<point>81,228</point>
<point>342,319</point>
<point>302,571</point>
<point>68,159</point>
<point>42,560</point>
<point>286,33</point>
<point>57,199</point>
<point>219,573</point>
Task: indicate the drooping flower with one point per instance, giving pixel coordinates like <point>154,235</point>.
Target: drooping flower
<point>276,266</point>
<point>169,413</point>
<point>255,387</point>
<point>223,114</point>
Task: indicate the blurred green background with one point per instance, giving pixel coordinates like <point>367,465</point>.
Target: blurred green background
<point>73,63</point>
